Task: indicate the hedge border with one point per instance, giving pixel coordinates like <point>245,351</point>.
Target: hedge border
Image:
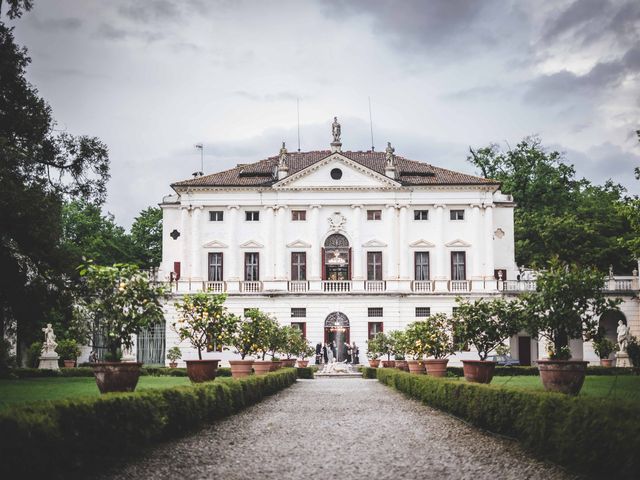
<point>20,373</point>
<point>593,436</point>
<point>43,438</point>
<point>305,373</point>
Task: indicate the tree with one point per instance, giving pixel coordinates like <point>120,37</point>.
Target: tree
<point>146,234</point>
<point>557,214</point>
<point>39,168</point>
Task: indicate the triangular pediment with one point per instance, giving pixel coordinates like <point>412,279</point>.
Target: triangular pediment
<point>457,243</point>
<point>299,244</point>
<point>422,243</point>
<point>251,244</point>
<point>215,244</point>
<point>353,175</point>
<point>374,243</point>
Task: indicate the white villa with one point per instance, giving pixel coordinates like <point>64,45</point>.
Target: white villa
<point>344,244</point>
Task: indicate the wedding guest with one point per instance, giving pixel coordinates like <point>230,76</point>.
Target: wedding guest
<point>348,351</point>
<point>318,353</point>
<point>325,354</point>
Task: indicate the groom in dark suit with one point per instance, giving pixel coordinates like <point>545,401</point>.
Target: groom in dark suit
<point>318,353</point>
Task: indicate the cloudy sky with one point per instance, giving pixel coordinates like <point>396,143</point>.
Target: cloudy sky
<point>152,78</point>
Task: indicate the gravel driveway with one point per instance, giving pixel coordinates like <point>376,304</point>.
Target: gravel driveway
<point>342,429</point>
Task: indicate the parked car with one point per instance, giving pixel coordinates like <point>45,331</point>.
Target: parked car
<point>504,360</point>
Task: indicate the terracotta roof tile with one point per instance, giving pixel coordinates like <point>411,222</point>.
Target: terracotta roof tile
<point>263,173</point>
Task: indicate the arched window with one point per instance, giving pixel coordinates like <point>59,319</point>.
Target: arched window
<point>336,240</point>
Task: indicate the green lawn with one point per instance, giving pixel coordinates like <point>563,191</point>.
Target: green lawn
<point>626,386</point>
<point>33,389</point>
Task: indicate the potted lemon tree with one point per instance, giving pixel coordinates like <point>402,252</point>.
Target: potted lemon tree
<point>246,340</point>
<point>567,304</point>
<point>116,303</point>
<point>173,355</point>
<point>204,321</point>
<point>399,349</point>
<point>266,331</point>
<point>415,346</point>
<point>373,351</point>
<point>438,343</point>
<point>69,352</point>
<point>485,325</point>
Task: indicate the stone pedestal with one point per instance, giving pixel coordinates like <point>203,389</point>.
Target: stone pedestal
<point>49,361</point>
<point>622,359</point>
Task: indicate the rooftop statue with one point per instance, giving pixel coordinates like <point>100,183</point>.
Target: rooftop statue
<point>336,130</point>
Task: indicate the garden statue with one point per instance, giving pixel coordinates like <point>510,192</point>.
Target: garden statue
<point>48,356</point>
<point>623,336</point>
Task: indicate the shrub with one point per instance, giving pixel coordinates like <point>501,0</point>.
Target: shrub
<point>368,372</point>
<point>68,350</point>
<point>633,350</point>
<point>45,438</point>
<point>305,373</point>
<point>592,435</point>
<point>603,347</point>
<point>174,354</point>
<point>33,354</point>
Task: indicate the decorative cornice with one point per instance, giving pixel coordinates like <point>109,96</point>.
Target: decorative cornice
<point>215,244</point>
<point>457,243</point>
<point>251,244</point>
<point>422,243</point>
<point>374,243</point>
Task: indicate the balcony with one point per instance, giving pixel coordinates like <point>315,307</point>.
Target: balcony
<point>298,286</point>
<point>375,285</point>
<point>422,286</point>
<point>214,287</point>
<point>336,286</point>
<point>459,286</point>
<point>250,287</point>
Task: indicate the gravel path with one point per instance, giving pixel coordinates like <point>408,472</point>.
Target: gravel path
<point>339,429</point>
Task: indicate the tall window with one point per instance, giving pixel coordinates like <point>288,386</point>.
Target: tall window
<point>422,266</point>
<point>252,216</point>
<point>216,216</point>
<point>298,266</point>
<point>374,265</point>
<point>374,214</point>
<point>251,267</point>
<point>458,266</point>
<point>421,214</point>
<point>456,214</point>
<point>374,329</point>
<point>215,266</point>
<point>298,215</point>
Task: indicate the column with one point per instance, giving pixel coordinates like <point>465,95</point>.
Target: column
<point>196,249</point>
<point>231,259</point>
<point>402,246</point>
<point>392,257</point>
<point>314,254</point>
<point>279,246</point>
<point>440,250</point>
<point>356,248</point>
<point>488,238</point>
<point>478,245</point>
<point>267,262</point>
<point>184,236</point>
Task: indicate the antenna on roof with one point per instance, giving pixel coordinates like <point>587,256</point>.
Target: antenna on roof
<point>200,147</point>
<point>371,125</point>
<point>298,108</point>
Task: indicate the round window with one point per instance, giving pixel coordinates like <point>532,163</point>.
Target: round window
<point>336,174</point>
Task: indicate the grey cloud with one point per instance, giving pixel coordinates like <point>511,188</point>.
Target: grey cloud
<point>148,11</point>
<point>110,32</point>
<point>477,92</point>
<point>56,24</point>
<point>563,84</point>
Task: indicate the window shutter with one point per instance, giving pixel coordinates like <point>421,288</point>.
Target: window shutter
<point>176,269</point>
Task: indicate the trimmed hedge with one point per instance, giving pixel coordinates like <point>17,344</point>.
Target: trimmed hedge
<point>305,373</point>
<point>53,437</point>
<point>595,436</point>
<point>368,372</point>
<point>88,372</point>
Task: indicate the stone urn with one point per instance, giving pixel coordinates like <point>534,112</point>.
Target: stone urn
<point>116,376</point>
<point>374,363</point>
<point>303,363</point>
<point>564,376</point>
<point>416,367</point>
<point>200,371</point>
<point>402,365</point>
<point>478,371</point>
<point>276,365</point>
<point>69,363</point>
<point>388,363</point>
<point>606,362</point>
<point>240,368</point>
<point>288,362</point>
<point>262,367</point>
<point>436,367</point>
<point>173,364</point>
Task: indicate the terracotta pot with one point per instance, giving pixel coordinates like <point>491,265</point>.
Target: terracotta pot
<point>374,363</point>
<point>262,367</point>
<point>116,376</point>
<point>416,367</point>
<point>173,364</point>
<point>402,365</point>
<point>604,362</point>
<point>388,363</point>
<point>564,376</point>
<point>200,371</point>
<point>437,367</point>
<point>276,365</point>
<point>69,363</point>
<point>288,362</point>
<point>303,363</point>
<point>240,368</point>
<point>478,371</point>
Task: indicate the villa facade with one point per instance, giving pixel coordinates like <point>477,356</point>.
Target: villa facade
<point>343,244</point>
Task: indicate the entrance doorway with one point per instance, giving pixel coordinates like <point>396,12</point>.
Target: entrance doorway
<point>524,351</point>
<point>336,258</point>
<point>336,329</point>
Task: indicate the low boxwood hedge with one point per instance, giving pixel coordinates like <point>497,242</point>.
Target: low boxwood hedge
<point>46,438</point>
<point>305,373</point>
<point>368,372</point>
<point>17,373</point>
<point>595,436</point>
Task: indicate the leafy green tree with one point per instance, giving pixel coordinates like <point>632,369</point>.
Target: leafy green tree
<point>146,234</point>
<point>557,214</point>
<point>39,168</point>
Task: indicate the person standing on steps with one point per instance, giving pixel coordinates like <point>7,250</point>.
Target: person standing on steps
<point>347,349</point>
<point>325,354</point>
<point>318,353</point>
<point>355,352</point>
